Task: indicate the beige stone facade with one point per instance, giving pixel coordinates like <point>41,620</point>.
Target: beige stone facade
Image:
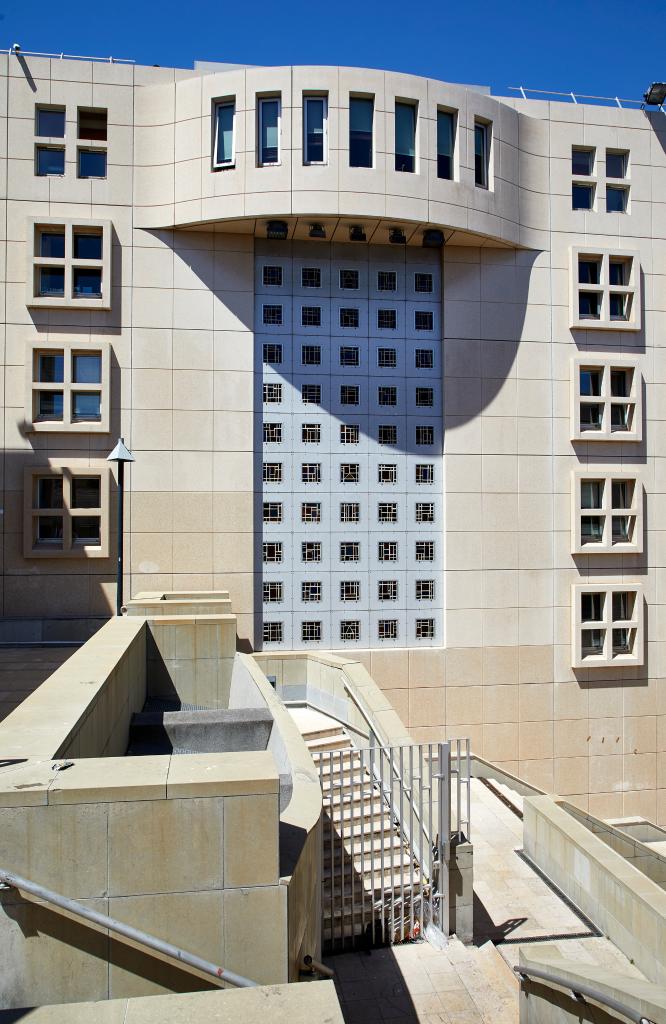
<point>552,383</point>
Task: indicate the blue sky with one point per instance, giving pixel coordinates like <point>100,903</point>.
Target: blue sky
<point>609,48</point>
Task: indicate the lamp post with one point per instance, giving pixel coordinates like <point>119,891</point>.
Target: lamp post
<point>121,455</point>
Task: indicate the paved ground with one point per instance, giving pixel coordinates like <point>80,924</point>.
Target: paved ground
<point>23,669</point>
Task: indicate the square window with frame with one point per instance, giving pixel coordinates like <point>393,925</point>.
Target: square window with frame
<point>350,551</point>
<point>387,512</point>
<point>92,124</point>
<point>582,161</point>
<point>272,472</point>
<point>423,320</point>
<point>424,590</point>
<point>424,550</point>
<point>49,161</point>
<point>311,394</point>
<point>349,394</point>
<point>273,591</point>
<point>271,551</point>
<point>605,289</point>
<point>387,433</point>
<point>582,196</point>
<point>350,433</point>
<point>350,512</point>
<point>424,512</point>
<point>273,632</point>
<point>272,394</point>
<point>349,279</point>
<point>272,511</point>
<point>424,398</point>
<point>50,122</point>
<point>310,632</point>
<point>310,512</point>
<point>387,473</point>
<point>617,199</point>
<point>387,551</point>
<point>311,433</point>
<point>425,436</point>
<point>311,551</point>
<point>387,629</point>
<point>311,591</point>
<point>424,473</point>
<point>387,319</point>
<point>387,281</point>
<point>424,359</point>
<point>350,629</point>
<point>423,282</point>
<point>349,356</point>
<point>272,354</point>
<point>350,590</point>
<point>66,510</point>
<point>387,395</point>
<point>425,629</point>
<point>311,277</point>
<point>617,163</point>
<point>606,399</point>
<point>311,472</point>
<point>272,315</point>
<point>91,163</point>
<point>350,473</point>
<point>387,358</point>
<point>272,276</point>
<point>311,355</point>
<point>387,590</point>
<point>607,623</point>
<point>310,316</point>
<point>349,316</point>
<point>67,389</point>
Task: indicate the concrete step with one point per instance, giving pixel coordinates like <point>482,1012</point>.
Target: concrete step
<point>321,744</point>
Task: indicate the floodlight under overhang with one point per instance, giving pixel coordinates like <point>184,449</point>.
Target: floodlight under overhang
<point>277,229</point>
<point>356,233</point>
<point>397,236</point>
<point>317,231</point>
<point>656,94</point>
<point>433,238</point>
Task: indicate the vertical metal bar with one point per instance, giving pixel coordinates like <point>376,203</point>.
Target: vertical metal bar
<point>342,855</point>
<point>382,841</point>
<point>412,850</point>
<point>401,769</point>
<point>422,835</point>
<point>352,793</point>
<point>459,787</point>
<point>432,835</point>
<point>392,851</point>
<point>331,869</point>
<point>372,840</point>
<point>469,789</point>
<point>361,811</point>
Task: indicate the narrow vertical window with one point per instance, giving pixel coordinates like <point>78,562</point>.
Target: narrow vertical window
<point>314,129</point>
<point>225,116</point>
<point>481,153</point>
<point>269,131</point>
<point>405,137</point>
<point>446,135</point>
<point>361,116</point>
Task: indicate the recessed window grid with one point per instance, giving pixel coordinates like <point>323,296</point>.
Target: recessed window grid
<point>272,511</point>
<point>350,512</point>
<point>311,355</point>
<point>350,590</point>
<point>349,356</point>
<point>66,512</point>
<point>387,358</point>
<point>425,629</point>
<point>350,472</point>
<point>605,289</point>
<point>349,551</point>
<point>272,472</point>
<point>424,359</point>
<point>607,512</point>
<point>311,394</point>
<point>272,315</point>
<point>272,394</point>
<point>387,590</point>
<point>272,433</point>
<point>311,316</point>
<point>387,395</point>
<point>423,282</point>
<point>311,433</point>
<point>424,512</point>
<point>68,388</point>
<point>349,317</point>
<point>272,551</point>
<point>424,590</point>
<point>387,512</point>
<point>424,473</point>
<point>350,629</point>
<point>69,264</point>
<point>387,550</point>
<point>311,472</point>
<point>607,621</point>
<point>387,629</point>
<point>349,394</point>
<point>273,632</point>
<point>387,281</point>
<point>272,276</point>
<point>350,433</point>
<point>606,400</point>
<point>310,512</point>
<point>349,280</point>
<point>387,319</point>
<point>311,591</point>
<point>424,398</point>
<point>424,550</point>
<point>423,320</point>
<point>425,436</point>
<point>310,632</point>
<point>311,551</point>
<point>272,354</point>
<point>273,592</point>
<point>387,473</point>
<point>387,433</point>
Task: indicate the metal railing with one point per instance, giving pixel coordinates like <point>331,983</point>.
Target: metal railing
<point>574,97</point>
<point>580,989</point>
<point>12,50</point>
<point>10,880</point>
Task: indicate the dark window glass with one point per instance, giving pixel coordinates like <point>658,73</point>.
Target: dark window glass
<point>85,530</point>
<point>49,529</point>
<point>86,405</point>
<point>50,405</point>
<point>85,492</point>
<point>86,368</point>
<point>92,163</point>
<point>52,243</point>
<point>590,382</point>
<point>582,162</point>
<point>424,359</point>
<point>405,137</point>
<point>387,357</point>
<point>387,319</point>
<point>349,317</point>
<point>621,383</point>
<point>618,305</point>
<point>92,125</point>
<point>87,247</point>
<point>50,123</point>
<point>422,282</point>
<point>589,271</point>
<point>618,272</point>
<point>224,154</point>
<point>582,197</point>
<point>87,282</point>
<point>51,281</point>
<point>589,304</point>
<point>616,200</point>
<point>349,356</point>
<point>361,114</point>
<point>50,161</point>
<point>591,415</point>
<point>616,165</point>
<point>50,368</point>
<point>349,279</point>
<point>272,276</point>
<point>272,353</point>
<point>315,118</point>
<point>269,128</point>
<point>481,134</point>
<point>445,142</point>
<point>49,492</point>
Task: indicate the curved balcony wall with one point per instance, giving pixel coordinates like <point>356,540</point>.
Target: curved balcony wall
<point>176,185</point>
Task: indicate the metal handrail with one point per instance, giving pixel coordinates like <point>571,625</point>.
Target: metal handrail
<point>574,96</point>
<point>188,960</point>
<point>580,989</point>
<point>68,56</point>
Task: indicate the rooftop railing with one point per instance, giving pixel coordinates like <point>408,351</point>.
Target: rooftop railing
<point>18,52</point>
<point>574,97</point>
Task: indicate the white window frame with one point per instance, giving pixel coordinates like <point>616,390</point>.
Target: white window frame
<point>606,659</point>
<point>262,101</point>
<point>608,475</point>
<point>321,98</point>
<point>606,364</point>
<point>604,288</point>
<point>221,164</point>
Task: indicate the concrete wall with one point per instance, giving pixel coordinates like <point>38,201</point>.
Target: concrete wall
<point>650,862</point>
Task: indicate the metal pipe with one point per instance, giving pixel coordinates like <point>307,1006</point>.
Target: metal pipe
<point>220,974</point>
<point>119,567</point>
<point>581,989</point>
<point>315,967</point>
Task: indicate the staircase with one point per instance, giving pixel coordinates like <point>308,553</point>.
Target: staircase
<point>369,878</point>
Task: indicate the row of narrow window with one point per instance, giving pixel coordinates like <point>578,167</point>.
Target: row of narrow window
<point>350,473</point>
<point>350,433</point>
<point>387,319</point>
<point>349,279</point>
<point>387,629</point>
<point>387,395</point>
<point>349,355</point>
<point>362,146</point>
<point>350,512</point>
<point>350,590</point>
<point>350,551</point>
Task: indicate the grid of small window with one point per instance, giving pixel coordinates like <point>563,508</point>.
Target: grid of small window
<point>424,473</point>
<point>425,590</point>
<point>272,632</point>
<point>349,472</point>
<point>425,629</point>
<point>349,280</point>
<point>349,551</point>
<point>423,320</point>
<point>350,512</point>
<point>272,393</point>
<point>310,433</point>
<point>387,281</point>
<point>387,550</point>
<point>387,629</point>
<point>349,317</point>
<point>273,354</point>
<point>272,433</point>
<point>349,394</point>
<point>272,472</point>
<point>272,551</point>
<point>425,551</point>
<point>273,591</point>
<point>387,395</point>
<point>425,512</point>
<point>425,435</point>
<point>387,473</point>
<point>350,433</point>
<point>387,319</point>
<point>311,472</point>
<point>311,551</point>
<point>311,591</point>
<point>387,433</point>
<point>387,512</point>
<point>387,358</point>
<point>350,590</point>
<point>310,316</point>
<point>272,316</point>
<point>349,356</point>
<point>311,277</point>
<point>350,629</point>
<point>310,512</point>
<point>311,355</point>
<point>272,277</point>
<point>424,359</point>
<point>387,590</point>
<point>310,631</point>
<point>272,511</point>
<point>311,394</point>
<point>422,282</point>
<point>425,398</point>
